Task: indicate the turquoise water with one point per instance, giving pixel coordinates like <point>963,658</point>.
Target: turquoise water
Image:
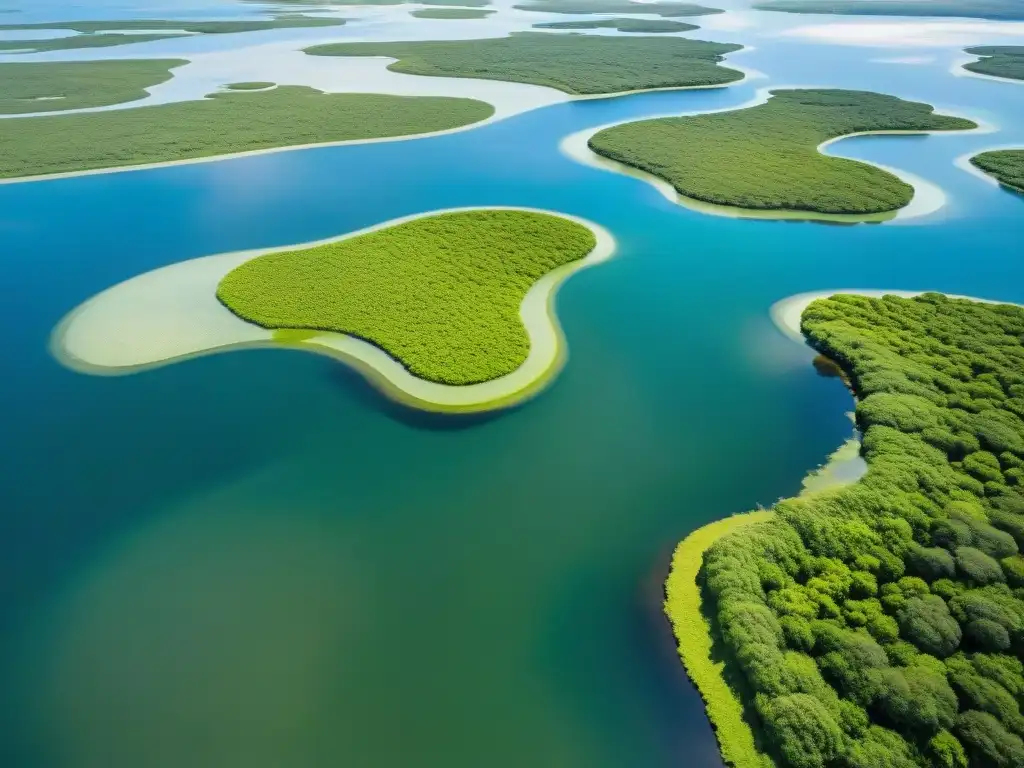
<point>254,560</point>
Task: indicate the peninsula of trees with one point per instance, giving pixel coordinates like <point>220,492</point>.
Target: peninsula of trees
<point>664,9</point>
<point>1005,165</point>
<point>439,294</point>
<point>767,157</point>
<point>642,26</point>
<point>998,61</point>
<point>882,624</point>
<point>576,64</point>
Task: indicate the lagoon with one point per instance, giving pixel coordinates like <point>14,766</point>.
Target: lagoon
<point>256,560</point>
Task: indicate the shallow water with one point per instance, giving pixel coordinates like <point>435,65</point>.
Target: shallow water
<point>253,560</point>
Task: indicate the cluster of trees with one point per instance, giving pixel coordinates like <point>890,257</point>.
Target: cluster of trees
<point>882,624</point>
<point>644,26</point>
<point>766,157</point>
<point>218,125</point>
<point>1006,165</point>
<point>578,64</point>
<point>440,294</point>
<point>998,60</point>
<point>658,8</point>
<point>976,9</point>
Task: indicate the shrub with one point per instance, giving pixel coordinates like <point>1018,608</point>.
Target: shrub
<point>927,623</point>
<point>802,731</point>
<point>987,742</point>
<point>931,563</point>
<point>977,567</point>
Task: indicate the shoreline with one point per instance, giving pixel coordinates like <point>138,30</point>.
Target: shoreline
<point>494,118</point>
<point>957,69</point>
<point>963,162</point>
<point>191,306</point>
<point>928,198</point>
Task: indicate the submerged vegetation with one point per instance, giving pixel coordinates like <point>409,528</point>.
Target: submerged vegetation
<point>645,26</point>
<point>57,85</point>
<point>576,64</point>
<point>998,61</point>
<point>104,34</point>
<point>882,624</point>
<point>440,294</point>
<point>978,9</point>
<point>1005,165</point>
<point>664,9</point>
<point>224,123</point>
<point>767,158</point>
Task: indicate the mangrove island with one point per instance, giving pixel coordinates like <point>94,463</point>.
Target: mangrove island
<point>1005,165</point>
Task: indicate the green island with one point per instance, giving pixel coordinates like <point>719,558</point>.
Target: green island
<point>254,85</point>
<point>1005,165</point>
<point>767,157</point>
<point>55,85</point>
<point>995,10</point>
<point>224,123</point>
<point>646,26</point>
<point>575,64</point>
<point>998,61</point>
<point>881,623</point>
<point>104,34</point>
<point>439,294</point>
<point>451,13</point>
<point>617,6</point>
<point>333,3</point>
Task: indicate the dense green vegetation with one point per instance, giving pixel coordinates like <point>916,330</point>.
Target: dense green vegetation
<point>766,157</point>
<point>578,64</point>
<point>49,86</point>
<point>617,6</point>
<point>227,122</point>
<point>451,13</point>
<point>472,3</point>
<point>978,9</point>
<point>249,86</point>
<point>101,34</point>
<point>647,26</point>
<point>998,60</point>
<point>440,294</point>
<point>882,624</point>
<point>1006,165</point>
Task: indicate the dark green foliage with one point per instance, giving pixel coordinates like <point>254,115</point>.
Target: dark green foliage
<point>766,158</point>
<point>451,13</point>
<point>978,9</point>
<point>998,60</point>
<point>894,585</point>
<point>988,744</point>
<point>226,122</point>
<point>641,26</point>
<point>1006,165</point>
<point>578,64</point>
<point>49,86</point>
<point>664,9</point>
<point>975,566</point>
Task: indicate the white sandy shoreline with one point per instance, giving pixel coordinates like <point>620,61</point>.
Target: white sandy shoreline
<point>928,198</point>
<point>172,313</point>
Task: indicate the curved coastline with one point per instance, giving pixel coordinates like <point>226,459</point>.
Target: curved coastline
<point>186,318</point>
<point>963,162</point>
<point>928,197</point>
<point>958,69</point>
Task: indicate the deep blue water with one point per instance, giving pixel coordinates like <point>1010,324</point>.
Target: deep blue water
<point>253,559</point>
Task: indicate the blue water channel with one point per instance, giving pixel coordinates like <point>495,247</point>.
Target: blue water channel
<point>255,560</point>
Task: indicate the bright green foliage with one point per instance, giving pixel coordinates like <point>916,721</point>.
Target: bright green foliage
<point>644,26</point>
<point>92,34</point>
<point>51,85</point>
<point>766,157</point>
<point>978,9</point>
<point>451,13</point>
<point>221,124</point>
<point>441,294</point>
<point>664,9</point>
<point>891,585</point>
<point>1013,569</point>
<point>998,60</point>
<point>578,64</point>
<point>1006,165</point>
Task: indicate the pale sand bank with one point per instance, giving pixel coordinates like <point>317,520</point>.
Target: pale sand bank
<point>928,198</point>
<point>957,69</point>
<point>787,312</point>
<point>964,163</point>
<point>173,313</point>
<point>922,34</point>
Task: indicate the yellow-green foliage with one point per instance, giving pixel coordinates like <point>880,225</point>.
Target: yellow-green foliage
<point>1006,165</point>
<point>78,84</point>
<point>440,294</point>
<point>451,13</point>
<point>581,64</point>
<point>998,60</point>
<point>685,607</point>
<point>617,6</point>
<point>227,122</point>
<point>766,157</point>
<point>644,26</point>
